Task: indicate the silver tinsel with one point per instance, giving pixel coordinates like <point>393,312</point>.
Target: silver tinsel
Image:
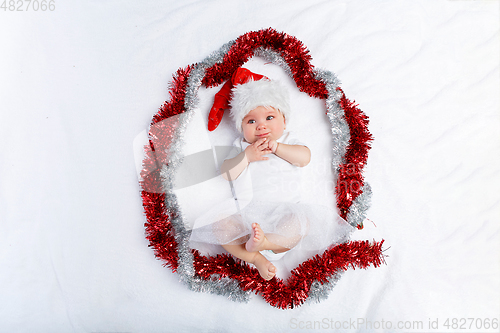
<point>335,114</point>
<point>357,212</point>
<point>319,292</point>
<point>273,57</point>
<point>340,135</point>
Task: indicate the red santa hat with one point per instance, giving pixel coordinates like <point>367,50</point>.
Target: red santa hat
<point>246,91</point>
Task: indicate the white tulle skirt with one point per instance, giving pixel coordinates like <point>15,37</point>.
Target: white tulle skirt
<point>290,225</point>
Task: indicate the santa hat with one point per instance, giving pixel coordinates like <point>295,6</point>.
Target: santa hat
<point>245,92</point>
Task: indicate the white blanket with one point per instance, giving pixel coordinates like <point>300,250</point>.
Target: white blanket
<point>80,84</point>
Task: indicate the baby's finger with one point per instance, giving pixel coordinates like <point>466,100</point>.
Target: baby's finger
<point>261,141</point>
<point>264,146</point>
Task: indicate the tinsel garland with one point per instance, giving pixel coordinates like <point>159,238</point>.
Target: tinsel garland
<point>293,292</point>
<point>222,274</point>
<point>350,180</point>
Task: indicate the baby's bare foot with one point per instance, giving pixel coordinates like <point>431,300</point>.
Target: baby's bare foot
<point>256,239</point>
<point>266,269</point>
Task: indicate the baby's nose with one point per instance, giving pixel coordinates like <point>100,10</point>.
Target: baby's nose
<point>261,125</point>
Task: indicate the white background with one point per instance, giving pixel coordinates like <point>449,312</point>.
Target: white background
<point>79,83</point>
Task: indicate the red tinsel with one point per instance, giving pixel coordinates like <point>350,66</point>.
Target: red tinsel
<point>291,49</point>
<point>350,180</point>
<point>159,231</point>
<point>293,292</point>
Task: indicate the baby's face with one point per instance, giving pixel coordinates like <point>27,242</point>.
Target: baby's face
<point>263,122</point>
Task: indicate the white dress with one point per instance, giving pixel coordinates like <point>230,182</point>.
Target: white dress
<point>268,193</point>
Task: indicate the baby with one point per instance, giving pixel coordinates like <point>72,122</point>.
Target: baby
<point>264,171</point>
<point>261,128</point>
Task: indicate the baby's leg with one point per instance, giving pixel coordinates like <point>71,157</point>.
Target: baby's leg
<point>275,239</point>
<point>259,241</point>
<point>265,267</point>
<point>288,236</point>
<point>229,230</point>
<point>288,232</point>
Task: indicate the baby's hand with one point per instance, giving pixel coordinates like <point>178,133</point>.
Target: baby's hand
<point>273,145</point>
<point>257,150</point>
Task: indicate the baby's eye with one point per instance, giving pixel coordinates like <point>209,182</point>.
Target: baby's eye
<point>269,117</point>
<point>251,121</point>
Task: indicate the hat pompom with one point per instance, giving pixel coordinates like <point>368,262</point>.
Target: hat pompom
<point>253,94</point>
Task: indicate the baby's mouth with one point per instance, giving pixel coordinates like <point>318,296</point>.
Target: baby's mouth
<point>262,135</point>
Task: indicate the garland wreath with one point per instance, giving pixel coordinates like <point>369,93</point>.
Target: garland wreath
<point>223,274</point>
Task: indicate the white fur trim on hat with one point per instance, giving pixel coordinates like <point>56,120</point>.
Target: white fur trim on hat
<point>253,94</point>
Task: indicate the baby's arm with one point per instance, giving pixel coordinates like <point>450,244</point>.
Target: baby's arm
<point>233,167</point>
<point>294,154</point>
